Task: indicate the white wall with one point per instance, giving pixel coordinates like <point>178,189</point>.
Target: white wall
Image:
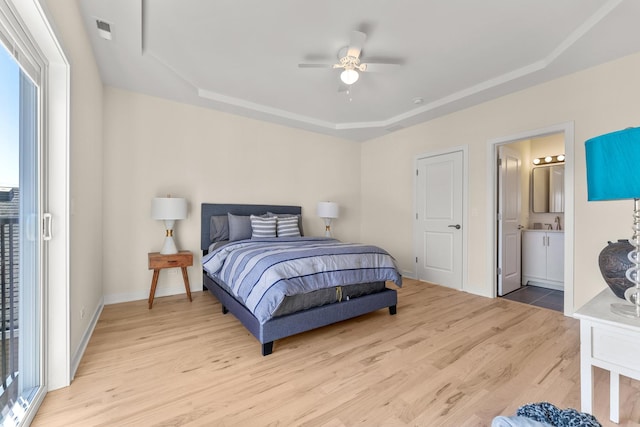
<point>85,154</point>
<point>550,145</point>
<point>598,100</point>
<point>155,147</point>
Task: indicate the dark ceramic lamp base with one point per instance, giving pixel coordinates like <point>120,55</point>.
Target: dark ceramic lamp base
<point>614,263</point>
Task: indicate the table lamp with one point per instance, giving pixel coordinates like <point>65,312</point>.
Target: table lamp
<point>327,211</point>
<point>613,173</point>
<point>169,209</point>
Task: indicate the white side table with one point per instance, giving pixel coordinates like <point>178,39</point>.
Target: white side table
<point>608,341</point>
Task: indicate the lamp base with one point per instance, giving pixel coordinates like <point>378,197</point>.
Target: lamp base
<point>327,227</point>
<point>169,247</point>
<point>627,310</point>
<point>614,263</point>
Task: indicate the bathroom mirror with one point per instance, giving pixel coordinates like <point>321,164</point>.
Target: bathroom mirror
<point>547,189</point>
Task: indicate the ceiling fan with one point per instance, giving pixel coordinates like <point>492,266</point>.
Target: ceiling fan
<point>349,60</point>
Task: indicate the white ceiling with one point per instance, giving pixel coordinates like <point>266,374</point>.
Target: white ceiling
<point>242,56</point>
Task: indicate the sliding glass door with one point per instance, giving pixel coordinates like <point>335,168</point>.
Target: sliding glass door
<point>21,349</point>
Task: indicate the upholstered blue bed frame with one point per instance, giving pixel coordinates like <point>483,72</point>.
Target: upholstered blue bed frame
<point>291,324</point>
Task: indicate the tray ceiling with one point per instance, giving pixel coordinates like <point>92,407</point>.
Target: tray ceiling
<point>242,56</point>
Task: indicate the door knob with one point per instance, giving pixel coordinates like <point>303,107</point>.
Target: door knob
<point>456,226</point>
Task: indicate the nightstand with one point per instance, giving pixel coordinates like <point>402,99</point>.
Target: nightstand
<point>608,341</point>
<point>157,262</point>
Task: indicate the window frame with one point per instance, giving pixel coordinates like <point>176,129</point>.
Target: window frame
<point>26,27</point>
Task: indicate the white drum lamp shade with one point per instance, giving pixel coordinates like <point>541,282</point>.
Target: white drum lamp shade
<point>169,209</point>
<point>327,211</point>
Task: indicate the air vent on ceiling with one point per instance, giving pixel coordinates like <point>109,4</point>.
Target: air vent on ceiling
<point>104,29</point>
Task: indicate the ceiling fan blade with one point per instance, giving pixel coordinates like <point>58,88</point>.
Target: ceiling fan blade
<point>355,43</point>
<point>379,67</point>
<point>383,60</point>
<point>315,65</point>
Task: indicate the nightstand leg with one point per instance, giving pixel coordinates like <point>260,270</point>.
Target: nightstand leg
<point>154,283</point>
<point>185,277</point>
<point>614,397</point>
<point>586,369</point>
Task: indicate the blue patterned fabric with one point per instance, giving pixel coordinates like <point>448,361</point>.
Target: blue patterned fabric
<point>547,413</point>
<point>261,272</point>
<point>515,421</point>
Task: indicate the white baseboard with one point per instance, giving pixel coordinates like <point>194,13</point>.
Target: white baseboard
<point>409,274</point>
<point>75,361</point>
<point>165,291</point>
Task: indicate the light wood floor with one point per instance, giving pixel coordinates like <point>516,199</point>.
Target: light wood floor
<point>446,359</point>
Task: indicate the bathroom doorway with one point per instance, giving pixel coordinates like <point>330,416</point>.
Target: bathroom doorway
<point>543,225</point>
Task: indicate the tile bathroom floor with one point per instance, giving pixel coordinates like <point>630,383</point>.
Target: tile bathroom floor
<point>540,297</point>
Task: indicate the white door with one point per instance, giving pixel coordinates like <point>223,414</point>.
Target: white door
<point>439,219</point>
<point>509,229</point>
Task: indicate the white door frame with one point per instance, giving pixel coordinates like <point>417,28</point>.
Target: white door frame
<point>28,22</point>
<point>567,128</point>
<point>55,126</point>
<point>465,198</point>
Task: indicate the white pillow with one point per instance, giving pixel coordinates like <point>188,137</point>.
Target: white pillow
<point>262,227</point>
<point>288,227</point>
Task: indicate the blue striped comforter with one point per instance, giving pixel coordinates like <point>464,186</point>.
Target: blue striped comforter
<point>261,272</point>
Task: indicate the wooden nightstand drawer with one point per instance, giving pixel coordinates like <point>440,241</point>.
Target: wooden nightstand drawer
<point>157,262</point>
<point>181,259</point>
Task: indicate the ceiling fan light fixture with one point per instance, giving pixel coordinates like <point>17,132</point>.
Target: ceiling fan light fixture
<point>349,76</point>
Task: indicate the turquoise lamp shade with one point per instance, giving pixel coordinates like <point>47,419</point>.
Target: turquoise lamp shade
<point>613,165</point>
<point>613,173</point>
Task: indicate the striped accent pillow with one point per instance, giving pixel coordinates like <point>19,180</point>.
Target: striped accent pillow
<point>262,227</point>
<point>288,227</point>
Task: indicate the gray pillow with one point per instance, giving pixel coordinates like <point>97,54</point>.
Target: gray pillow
<point>219,228</point>
<point>239,227</point>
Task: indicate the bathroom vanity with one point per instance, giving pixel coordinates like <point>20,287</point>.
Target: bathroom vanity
<point>543,258</point>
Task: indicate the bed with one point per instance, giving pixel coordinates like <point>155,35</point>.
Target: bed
<point>315,305</point>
